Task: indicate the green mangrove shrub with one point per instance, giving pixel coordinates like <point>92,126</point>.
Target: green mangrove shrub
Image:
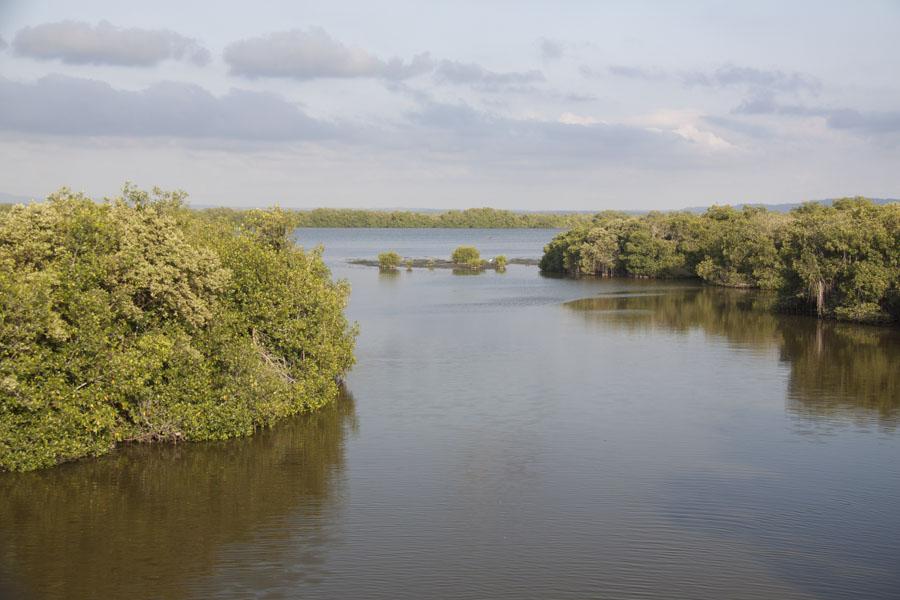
<point>840,261</point>
<point>464,255</point>
<point>388,261</point>
<point>136,319</point>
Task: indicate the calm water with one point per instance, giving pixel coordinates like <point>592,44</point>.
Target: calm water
<point>510,436</point>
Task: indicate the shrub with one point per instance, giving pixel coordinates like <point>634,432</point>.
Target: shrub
<point>136,319</point>
<point>500,262</point>
<point>389,261</point>
<point>840,261</point>
<point>463,255</point>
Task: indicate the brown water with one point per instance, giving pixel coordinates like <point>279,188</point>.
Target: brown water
<point>510,436</point>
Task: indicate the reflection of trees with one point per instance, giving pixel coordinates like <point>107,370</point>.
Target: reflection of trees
<point>467,271</point>
<point>837,370</point>
<point>842,370</point>
<point>739,316</point>
<point>145,520</point>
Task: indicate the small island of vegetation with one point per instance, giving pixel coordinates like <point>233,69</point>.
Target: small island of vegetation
<point>840,261</point>
<point>389,261</point>
<point>137,319</point>
<point>463,258</point>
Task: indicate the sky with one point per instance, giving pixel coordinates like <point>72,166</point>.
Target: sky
<point>509,104</point>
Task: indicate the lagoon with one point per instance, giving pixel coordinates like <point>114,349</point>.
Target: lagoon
<point>509,435</point>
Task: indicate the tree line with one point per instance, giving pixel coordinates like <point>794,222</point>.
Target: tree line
<point>137,319</point>
<point>471,218</point>
<point>840,261</point>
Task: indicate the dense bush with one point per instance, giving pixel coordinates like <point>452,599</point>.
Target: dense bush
<point>389,260</point>
<point>136,319</point>
<point>464,255</point>
<point>844,260</point>
<point>841,261</point>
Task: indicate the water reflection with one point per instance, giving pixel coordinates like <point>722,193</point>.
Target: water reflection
<point>153,521</point>
<point>840,370</point>
<point>837,371</point>
<point>467,272</point>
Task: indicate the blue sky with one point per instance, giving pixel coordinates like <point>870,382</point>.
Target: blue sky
<point>532,105</point>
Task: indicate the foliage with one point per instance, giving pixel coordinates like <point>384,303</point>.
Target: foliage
<point>389,260</point>
<point>500,262</point>
<point>844,260</point>
<point>463,255</point>
<point>408,263</point>
<point>841,261</point>
<point>472,218</point>
<point>270,227</point>
<point>136,319</point>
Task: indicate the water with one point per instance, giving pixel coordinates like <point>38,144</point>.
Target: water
<point>510,436</point>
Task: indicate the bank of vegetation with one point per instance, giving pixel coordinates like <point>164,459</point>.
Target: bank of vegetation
<point>137,319</point>
<point>471,218</point>
<point>840,261</point>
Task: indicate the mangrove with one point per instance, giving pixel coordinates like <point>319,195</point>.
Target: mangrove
<point>840,261</point>
<point>136,319</point>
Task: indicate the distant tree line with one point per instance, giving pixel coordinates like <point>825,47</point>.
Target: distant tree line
<point>840,261</point>
<point>471,218</point>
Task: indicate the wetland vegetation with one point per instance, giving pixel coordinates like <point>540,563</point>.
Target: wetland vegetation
<point>137,319</point>
<point>840,261</point>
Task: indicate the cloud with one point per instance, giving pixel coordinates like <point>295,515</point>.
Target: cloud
<point>872,123</point>
<point>572,119</point>
<point>60,105</point>
<point>494,138</point>
<point>739,126</point>
<point>885,122</point>
<point>764,103</point>
<point>75,42</point>
<point>579,97</point>
<point>734,76</point>
<point>724,76</point>
<point>314,54</point>
<point>687,124</point>
<point>475,75</point>
<point>551,49</point>
<point>647,74</point>
<point>3,44</point>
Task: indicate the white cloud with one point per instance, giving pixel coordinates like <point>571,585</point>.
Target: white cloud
<point>767,79</point>
<point>573,119</point>
<point>60,105</point>
<point>687,124</point>
<point>475,75</point>
<point>724,76</point>
<point>76,42</point>
<point>314,54</point>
